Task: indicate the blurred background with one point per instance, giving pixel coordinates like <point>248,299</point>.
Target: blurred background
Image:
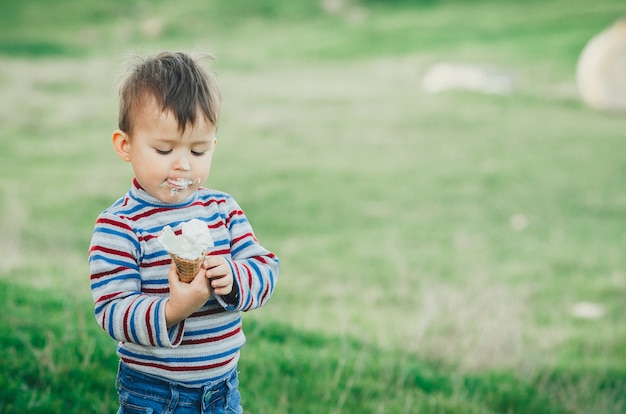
<point>443,181</point>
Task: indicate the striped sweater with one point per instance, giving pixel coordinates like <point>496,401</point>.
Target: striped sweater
<point>129,285</point>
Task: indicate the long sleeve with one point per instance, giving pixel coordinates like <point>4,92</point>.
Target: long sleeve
<point>254,268</point>
<point>121,308</point>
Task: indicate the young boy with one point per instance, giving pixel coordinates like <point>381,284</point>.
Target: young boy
<point>178,342</point>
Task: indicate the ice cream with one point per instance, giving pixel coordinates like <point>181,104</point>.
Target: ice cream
<point>179,184</point>
<point>189,248</point>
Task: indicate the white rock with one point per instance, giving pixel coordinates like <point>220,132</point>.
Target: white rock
<point>588,310</point>
<point>601,69</point>
<point>460,76</point>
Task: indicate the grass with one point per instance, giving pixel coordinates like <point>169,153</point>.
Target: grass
<point>335,374</point>
<point>432,246</point>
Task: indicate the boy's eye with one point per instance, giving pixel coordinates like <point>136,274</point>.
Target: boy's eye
<point>197,153</point>
<point>162,152</point>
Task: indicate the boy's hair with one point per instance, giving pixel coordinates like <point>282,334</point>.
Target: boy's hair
<point>177,83</point>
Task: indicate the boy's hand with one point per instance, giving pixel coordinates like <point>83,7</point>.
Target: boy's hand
<point>219,274</point>
<point>185,298</point>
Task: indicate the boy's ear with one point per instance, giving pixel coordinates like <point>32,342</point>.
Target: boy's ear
<point>121,144</point>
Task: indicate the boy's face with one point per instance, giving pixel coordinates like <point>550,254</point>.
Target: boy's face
<point>167,165</point>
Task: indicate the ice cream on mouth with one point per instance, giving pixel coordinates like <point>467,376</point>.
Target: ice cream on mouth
<point>179,184</point>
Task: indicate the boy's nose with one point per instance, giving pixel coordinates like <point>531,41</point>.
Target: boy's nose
<point>182,163</point>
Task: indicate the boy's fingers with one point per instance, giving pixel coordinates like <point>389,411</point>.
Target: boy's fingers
<point>172,275</point>
<point>223,290</point>
<point>219,281</point>
<point>199,276</point>
<point>218,271</point>
<point>213,261</point>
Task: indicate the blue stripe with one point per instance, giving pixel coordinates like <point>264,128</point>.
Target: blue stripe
<point>259,276</point>
<point>131,264</point>
<point>154,282</point>
<point>213,330</point>
<point>223,242</point>
<point>111,312</point>
<point>98,310</point>
<point>157,254</point>
<point>139,206</point>
<point>242,247</point>
<point>245,298</point>
<point>203,358</point>
<point>107,230</point>
<point>248,296</point>
<point>238,221</point>
<point>183,203</point>
<point>133,329</point>
<point>124,276</point>
<point>271,276</point>
<point>155,318</point>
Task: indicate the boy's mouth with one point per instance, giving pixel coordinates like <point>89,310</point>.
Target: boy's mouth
<point>176,185</point>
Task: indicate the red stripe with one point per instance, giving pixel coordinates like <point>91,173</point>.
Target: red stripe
<point>238,276</point>
<point>96,276</point>
<point>212,338</point>
<point>219,252</point>
<point>113,251</point>
<point>148,326</point>
<point>155,290</point>
<point>217,224</point>
<point>106,298</point>
<point>114,223</point>
<point>148,213</point>
<point>104,318</point>
<point>249,273</point>
<point>181,331</point>
<point>163,262</point>
<point>244,236</point>
<point>126,316</point>
<point>154,211</point>
<point>178,368</point>
<point>267,291</point>
<point>233,214</point>
<point>211,200</point>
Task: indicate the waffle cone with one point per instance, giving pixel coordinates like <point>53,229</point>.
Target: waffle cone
<point>187,268</point>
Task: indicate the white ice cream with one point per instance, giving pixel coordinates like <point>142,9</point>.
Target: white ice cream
<point>179,184</point>
<point>193,242</point>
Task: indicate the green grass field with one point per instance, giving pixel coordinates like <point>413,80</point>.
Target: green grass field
<point>433,246</point>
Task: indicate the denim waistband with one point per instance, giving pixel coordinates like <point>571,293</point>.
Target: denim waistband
<point>159,388</point>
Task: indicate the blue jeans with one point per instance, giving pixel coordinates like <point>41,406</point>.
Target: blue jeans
<point>141,393</point>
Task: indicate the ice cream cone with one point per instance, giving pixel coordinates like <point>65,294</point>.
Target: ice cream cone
<point>187,268</point>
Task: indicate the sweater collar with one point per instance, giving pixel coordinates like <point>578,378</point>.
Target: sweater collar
<point>142,196</point>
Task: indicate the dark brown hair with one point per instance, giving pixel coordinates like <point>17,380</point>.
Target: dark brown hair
<point>177,83</point>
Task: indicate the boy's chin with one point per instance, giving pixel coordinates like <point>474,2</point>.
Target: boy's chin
<point>173,196</point>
